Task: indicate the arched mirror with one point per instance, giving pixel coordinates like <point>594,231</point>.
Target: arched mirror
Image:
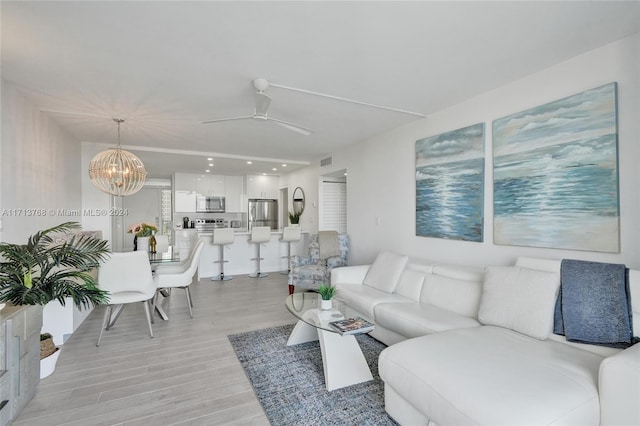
<point>298,201</point>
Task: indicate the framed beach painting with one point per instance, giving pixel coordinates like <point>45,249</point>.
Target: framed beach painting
<point>450,184</point>
<point>555,174</point>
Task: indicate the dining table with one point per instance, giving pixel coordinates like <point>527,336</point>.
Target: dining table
<point>168,256</point>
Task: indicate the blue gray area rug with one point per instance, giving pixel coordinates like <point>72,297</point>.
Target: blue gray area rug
<point>289,381</point>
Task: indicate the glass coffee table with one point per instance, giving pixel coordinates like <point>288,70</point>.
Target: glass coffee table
<point>343,361</point>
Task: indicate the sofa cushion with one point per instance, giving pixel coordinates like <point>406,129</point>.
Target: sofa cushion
<point>493,376</point>
<point>459,296</point>
<point>460,272</point>
<point>410,283</point>
<point>364,299</point>
<point>385,271</point>
<point>520,299</point>
<point>417,319</point>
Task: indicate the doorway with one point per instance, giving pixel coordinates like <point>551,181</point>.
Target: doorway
<point>333,202</point>
<point>150,205</point>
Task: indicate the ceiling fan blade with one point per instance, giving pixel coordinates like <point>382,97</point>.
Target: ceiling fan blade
<point>291,126</point>
<point>262,103</point>
<point>228,119</point>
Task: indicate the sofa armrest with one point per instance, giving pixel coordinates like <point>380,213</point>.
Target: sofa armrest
<point>301,261</point>
<point>349,274</point>
<point>619,388</point>
<point>335,262</point>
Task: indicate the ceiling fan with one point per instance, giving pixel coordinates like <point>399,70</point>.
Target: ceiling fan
<point>261,108</point>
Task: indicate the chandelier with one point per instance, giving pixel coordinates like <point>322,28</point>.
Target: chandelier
<point>117,171</point>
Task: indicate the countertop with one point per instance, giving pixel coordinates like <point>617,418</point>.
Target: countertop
<point>9,310</point>
<point>241,231</point>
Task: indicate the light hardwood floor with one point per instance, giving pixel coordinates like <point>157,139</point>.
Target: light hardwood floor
<point>187,375</point>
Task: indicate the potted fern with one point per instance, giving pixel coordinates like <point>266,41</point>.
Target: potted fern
<point>326,294</point>
<point>52,266</point>
<point>49,267</point>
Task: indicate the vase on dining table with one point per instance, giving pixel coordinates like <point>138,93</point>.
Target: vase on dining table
<point>142,243</point>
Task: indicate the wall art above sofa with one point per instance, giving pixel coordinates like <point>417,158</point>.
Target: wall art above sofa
<point>555,171</point>
<point>450,184</point>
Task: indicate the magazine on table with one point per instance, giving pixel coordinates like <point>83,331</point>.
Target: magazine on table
<point>352,326</point>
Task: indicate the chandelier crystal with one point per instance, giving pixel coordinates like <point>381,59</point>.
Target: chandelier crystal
<point>117,171</point>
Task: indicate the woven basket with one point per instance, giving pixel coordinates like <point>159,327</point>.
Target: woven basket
<point>47,347</point>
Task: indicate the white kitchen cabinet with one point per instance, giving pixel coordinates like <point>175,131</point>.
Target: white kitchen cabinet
<point>184,195</point>
<point>260,186</point>
<point>184,181</point>
<point>211,185</point>
<point>218,185</point>
<point>184,201</point>
<point>234,193</point>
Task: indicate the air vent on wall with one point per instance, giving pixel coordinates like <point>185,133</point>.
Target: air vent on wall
<point>326,161</point>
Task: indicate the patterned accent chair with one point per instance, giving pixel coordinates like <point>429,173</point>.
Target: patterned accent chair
<point>311,271</point>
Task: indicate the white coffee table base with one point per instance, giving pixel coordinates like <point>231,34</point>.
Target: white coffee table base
<point>343,360</point>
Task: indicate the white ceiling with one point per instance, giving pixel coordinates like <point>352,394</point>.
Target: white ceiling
<point>166,66</point>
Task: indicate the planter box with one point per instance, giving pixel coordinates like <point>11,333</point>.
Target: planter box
<point>61,321</point>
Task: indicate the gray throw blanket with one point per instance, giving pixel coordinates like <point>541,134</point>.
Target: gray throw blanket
<point>593,305</point>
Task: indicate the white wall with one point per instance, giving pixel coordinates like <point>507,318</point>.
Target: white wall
<point>307,179</point>
<point>94,201</point>
<point>40,166</point>
<point>381,171</point>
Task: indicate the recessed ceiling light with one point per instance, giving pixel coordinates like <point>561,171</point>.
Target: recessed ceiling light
<point>209,159</point>
<point>249,162</point>
<point>210,164</point>
<point>264,174</point>
<point>284,165</point>
<point>274,169</point>
<point>207,170</point>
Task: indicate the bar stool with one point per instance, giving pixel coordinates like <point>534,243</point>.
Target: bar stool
<point>290,234</point>
<point>222,237</point>
<point>259,235</point>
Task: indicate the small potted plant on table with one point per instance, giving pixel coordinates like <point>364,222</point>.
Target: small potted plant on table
<point>294,217</point>
<point>326,293</point>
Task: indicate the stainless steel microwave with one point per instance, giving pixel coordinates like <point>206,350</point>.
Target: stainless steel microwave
<point>209,204</point>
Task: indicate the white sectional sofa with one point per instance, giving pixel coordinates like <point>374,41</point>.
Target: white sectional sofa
<point>461,352</point>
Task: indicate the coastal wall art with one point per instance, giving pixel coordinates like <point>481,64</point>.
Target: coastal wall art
<point>555,171</point>
<point>450,184</point>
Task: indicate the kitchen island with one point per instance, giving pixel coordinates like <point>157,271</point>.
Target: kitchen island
<point>239,254</point>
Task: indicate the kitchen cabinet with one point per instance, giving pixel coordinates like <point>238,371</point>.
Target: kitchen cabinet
<point>184,196</point>
<point>211,185</point>
<point>260,186</point>
<point>184,182</point>
<point>184,201</point>
<point>19,358</point>
<point>234,193</point>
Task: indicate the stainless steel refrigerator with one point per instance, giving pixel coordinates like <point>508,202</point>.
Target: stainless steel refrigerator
<point>263,213</point>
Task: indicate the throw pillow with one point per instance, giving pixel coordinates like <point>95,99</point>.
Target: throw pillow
<point>385,271</point>
<point>519,299</point>
<point>455,295</point>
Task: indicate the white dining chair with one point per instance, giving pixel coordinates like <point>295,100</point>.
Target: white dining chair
<point>128,279</point>
<point>180,279</point>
